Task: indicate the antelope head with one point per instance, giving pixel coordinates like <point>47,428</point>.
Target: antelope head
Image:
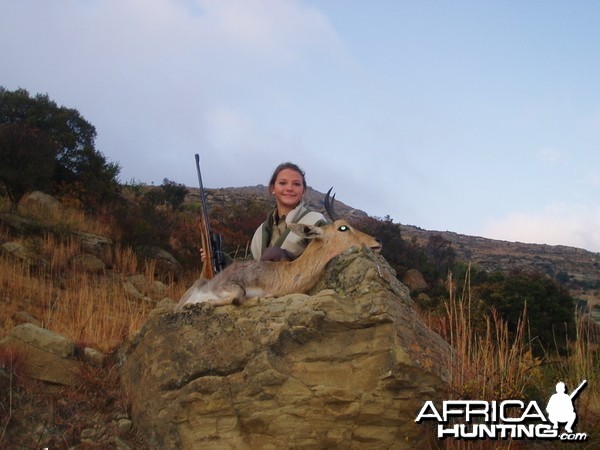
<point>335,237</point>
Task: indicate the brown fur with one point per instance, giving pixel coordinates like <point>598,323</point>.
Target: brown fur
<point>266,278</point>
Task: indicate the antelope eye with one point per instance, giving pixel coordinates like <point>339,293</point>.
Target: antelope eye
<point>343,228</point>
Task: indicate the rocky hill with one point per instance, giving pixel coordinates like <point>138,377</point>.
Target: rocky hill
<point>576,268</point>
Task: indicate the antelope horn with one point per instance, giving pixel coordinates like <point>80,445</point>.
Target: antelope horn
<point>329,206</point>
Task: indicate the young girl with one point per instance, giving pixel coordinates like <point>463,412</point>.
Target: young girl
<point>273,241</point>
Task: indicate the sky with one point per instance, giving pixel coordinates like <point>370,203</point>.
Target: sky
<point>480,118</point>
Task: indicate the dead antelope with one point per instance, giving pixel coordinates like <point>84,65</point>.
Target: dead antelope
<point>245,279</point>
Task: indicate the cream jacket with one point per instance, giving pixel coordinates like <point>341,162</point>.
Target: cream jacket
<point>288,240</point>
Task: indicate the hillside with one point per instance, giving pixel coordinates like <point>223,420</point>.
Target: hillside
<point>67,278</point>
<point>233,197</point>
<point>576,268</point>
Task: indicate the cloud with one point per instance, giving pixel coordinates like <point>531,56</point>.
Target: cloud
<point>162,79</point>
<point>574,225</point>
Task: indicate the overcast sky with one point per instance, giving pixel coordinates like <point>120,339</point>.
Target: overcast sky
<point>478,117</point>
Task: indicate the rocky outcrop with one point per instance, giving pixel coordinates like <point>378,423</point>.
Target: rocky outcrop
<point>347,366</point>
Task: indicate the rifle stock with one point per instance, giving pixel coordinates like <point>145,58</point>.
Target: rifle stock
<point>208,269</point>
<point>211,244</point>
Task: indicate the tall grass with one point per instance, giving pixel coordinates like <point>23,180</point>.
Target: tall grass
<point>94,309</point>
<point>490,362</point>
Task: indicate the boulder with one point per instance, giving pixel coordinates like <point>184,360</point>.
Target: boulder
<point>19,251</point>
<point>347,366</point>
<point>48,356</point>
<point>41,200</point>
<point>163,260</point>
<point>97,245</point>
<point>415,281</point>
<point>141,288</point>
<point>88,263</point>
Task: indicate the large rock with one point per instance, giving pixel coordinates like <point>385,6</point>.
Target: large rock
<point>88,263</point>
<point>48,356</point>
<point>40,200</point>
<point>163,260</point>
<point>138,286</point>
<point>19,251</point>
<point>97,245</point>
<point>415,281</point>
<point>347,367</point>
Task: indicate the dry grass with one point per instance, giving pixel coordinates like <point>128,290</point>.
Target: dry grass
<point>91,308</point>
<point>491,365</point>
<point>80,307</point>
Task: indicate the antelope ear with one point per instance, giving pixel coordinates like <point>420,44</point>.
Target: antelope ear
<point>305,231</point>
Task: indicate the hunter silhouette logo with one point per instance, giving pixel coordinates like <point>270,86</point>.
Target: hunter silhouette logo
<point>560,406</point>
<point>506,419</point>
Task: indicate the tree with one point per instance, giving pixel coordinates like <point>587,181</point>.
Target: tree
<point>27,160</point>
<point>550,307</point>
<point>174,193</point>
<point>78,167</point>
<point>441,255</point>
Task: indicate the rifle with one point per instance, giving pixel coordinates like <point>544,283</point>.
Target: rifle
<point>576,391</point>
<point>211,243</point>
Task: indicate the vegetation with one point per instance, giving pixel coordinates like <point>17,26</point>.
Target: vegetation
<point>551,309</point>
<point>495,363</point>
<point>94,309</point>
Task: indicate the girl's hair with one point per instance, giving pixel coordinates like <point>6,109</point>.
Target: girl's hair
<point>286,165</point>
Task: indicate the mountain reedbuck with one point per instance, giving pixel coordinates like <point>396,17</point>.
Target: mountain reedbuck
<point>246,279</point>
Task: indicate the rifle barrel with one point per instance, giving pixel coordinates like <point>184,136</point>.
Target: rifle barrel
<point>202,199</point>
<point>208,268</point>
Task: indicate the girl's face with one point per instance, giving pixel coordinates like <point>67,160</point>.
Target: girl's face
<point>288,190</point>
